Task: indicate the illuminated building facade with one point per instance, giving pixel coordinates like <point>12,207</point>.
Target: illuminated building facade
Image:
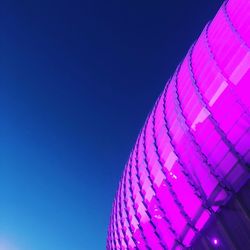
<point>186,183</point>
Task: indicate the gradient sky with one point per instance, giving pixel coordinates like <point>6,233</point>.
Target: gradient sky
<point>77,79</point>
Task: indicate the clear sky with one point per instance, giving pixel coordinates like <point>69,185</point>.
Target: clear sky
<point>77,79</point>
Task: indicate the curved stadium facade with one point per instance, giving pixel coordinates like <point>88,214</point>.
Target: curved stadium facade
<point>186,183</point>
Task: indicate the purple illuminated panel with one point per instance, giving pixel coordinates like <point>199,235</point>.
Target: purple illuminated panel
<point>193,152</point>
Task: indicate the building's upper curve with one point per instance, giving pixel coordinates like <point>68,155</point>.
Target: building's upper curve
<point>193,152</point>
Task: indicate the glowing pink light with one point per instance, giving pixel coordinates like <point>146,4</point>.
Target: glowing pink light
<point>215,241</point>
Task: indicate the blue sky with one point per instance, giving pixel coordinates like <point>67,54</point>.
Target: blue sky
<point>77,79</point>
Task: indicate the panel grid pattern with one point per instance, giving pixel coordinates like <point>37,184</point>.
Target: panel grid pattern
<point>193,153</point>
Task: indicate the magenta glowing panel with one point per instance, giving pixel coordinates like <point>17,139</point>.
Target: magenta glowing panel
<point>193,151</point>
